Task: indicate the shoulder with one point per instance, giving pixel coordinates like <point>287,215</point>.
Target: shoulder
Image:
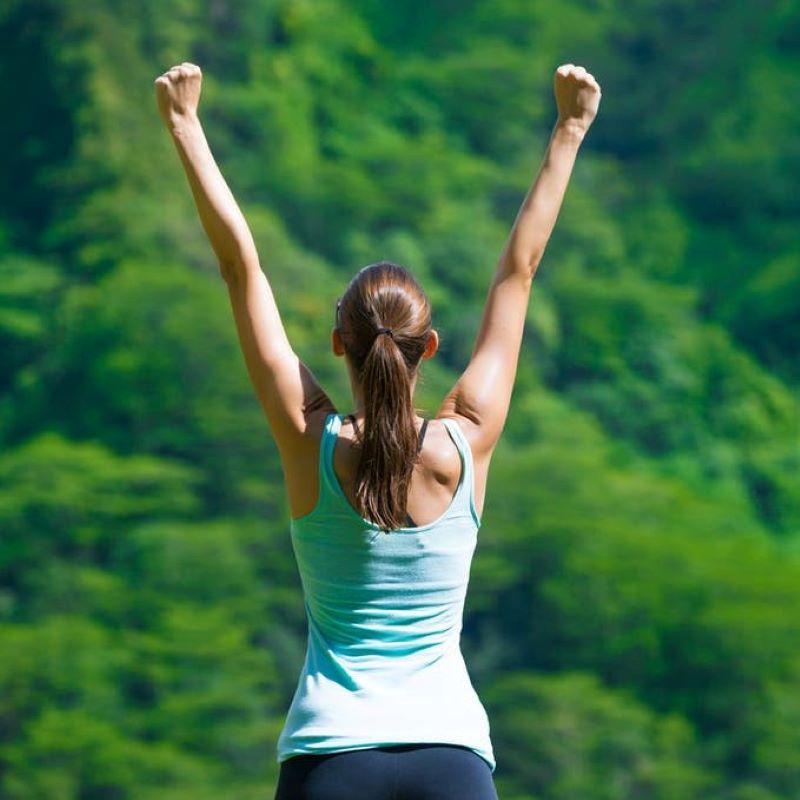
<point>482,438</point>
<point>301,462</point>
<point>442,451</point>
<point>462,429</point>
<point>319,422</point>
<point>306,445</point>
<point>475,452</point>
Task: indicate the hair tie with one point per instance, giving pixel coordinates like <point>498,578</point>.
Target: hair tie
<point>386,332</point>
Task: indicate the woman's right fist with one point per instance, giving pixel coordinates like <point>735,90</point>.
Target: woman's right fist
<point>178,92</point>
<point>577,95</point>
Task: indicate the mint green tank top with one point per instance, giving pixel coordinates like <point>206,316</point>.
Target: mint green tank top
<point>383,661</point>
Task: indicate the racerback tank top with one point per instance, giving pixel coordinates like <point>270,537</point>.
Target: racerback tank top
<point>383,662</point>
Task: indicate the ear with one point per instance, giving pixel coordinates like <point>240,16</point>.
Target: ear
<point>433,344</point>
<point>336,343</point>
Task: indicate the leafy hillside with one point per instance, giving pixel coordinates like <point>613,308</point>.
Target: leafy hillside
<point>633,624</point>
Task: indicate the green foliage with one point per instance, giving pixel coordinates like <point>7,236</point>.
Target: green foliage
<point>632,620</point>
<point>589,742</point>
<point>69,500</point>
<point>68,753</point>
<point>30,290</point>
<point>599,562</point>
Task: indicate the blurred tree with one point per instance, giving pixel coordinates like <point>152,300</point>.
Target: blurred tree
<point>69,500</point>
<point>589,741</point>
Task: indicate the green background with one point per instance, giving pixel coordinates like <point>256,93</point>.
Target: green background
<point>633,623</point>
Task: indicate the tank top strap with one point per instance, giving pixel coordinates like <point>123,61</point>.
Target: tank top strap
<point>328,483</point>
<point>466,487</point>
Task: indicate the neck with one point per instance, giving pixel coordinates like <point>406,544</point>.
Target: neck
<point>359,408</point>
<point>358,391</point>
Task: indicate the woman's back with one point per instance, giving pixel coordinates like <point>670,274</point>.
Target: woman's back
<point>384,665</point>
<point>435,477</point>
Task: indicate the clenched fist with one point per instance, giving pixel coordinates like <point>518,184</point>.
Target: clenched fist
<point>178,92</point>
<point>577,95</point>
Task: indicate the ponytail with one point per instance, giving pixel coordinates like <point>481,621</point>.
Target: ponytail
<point>389,445</point>
<point>384,319</point>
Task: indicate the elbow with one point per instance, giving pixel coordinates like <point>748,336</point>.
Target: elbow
<point>230,271</point>
<point>523,265</point>
<point>533,264</point>
<point>237,263</point>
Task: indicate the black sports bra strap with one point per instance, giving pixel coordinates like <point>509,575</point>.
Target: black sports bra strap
<point>352,418</point>
<point>422,434</point>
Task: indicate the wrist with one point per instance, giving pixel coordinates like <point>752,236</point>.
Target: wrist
<point>181,124</point>
<point>570,130</point>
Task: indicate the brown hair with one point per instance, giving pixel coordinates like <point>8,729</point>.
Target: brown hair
<point>384,319</point>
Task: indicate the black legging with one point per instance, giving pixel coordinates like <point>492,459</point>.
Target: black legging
<point>403,772</point>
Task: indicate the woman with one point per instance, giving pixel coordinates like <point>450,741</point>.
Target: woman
<point>385,506</point>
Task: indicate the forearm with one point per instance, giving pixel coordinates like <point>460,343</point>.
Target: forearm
<point>221,217</point>
<point>539,211</point>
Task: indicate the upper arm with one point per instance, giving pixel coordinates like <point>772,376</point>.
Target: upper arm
<point>286,388</point>
<point>481,396</point>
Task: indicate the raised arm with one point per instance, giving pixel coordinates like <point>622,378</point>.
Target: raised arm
<point>286,389</point>
<point>481,397</point>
